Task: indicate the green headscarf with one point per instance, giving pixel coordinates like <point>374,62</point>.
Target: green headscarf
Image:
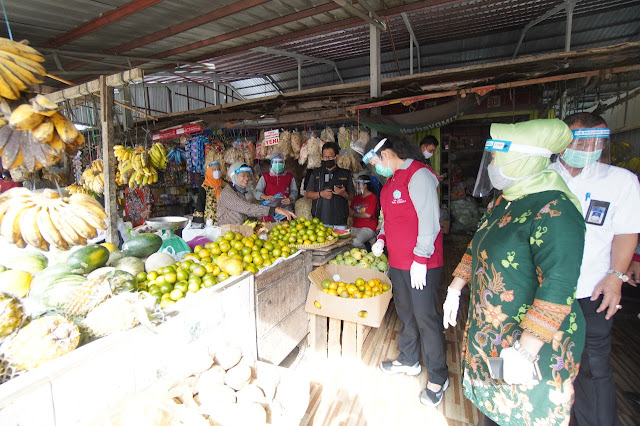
<point>553,135</point>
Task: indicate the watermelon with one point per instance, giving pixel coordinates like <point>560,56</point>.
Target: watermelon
<point>342,233</point>
<point>142,245</point>
<point>54,290</point>
<point>88,258</point>
<point>31,262</point>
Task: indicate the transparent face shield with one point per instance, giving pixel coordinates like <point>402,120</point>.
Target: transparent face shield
<point>242,169</point>
<point>373,157</point>
<point>277,165</point>
<point>492,166</point>
<point>587,147</point>
<point>361,185</point>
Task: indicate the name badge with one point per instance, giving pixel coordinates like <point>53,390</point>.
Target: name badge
<point>597,212</point>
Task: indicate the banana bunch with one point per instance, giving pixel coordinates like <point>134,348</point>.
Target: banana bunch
<point>36,135</point>
<point>93,177</point>
<point>158,156</point>
<point>74,188</point>
<point>138,167</point>
<point>45,219</point>
<point>20,68</point>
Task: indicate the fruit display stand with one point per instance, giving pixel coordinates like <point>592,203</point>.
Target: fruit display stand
<point>339,326</point>
<point>322,255</point>
<point>95,377</point>
<point>281,320</point>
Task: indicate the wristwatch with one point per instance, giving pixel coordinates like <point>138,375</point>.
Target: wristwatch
<point>525,353</point>
<point>618,274</point>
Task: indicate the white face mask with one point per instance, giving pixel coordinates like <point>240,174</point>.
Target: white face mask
<point>216,174</point>
<point>427,154</point>
<point>498,180</point>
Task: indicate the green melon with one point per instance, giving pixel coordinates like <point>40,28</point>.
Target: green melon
<point>87,259</point>
<point>142,245</point>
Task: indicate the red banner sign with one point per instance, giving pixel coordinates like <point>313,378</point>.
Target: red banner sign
<point>176,132</point>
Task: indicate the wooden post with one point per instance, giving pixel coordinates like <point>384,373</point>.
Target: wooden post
<point>108,159</point>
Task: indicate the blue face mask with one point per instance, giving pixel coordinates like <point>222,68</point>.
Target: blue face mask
<point>580,159</point>
<point>384,171</point>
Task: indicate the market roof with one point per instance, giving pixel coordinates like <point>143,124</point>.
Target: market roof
<point>243,41</point>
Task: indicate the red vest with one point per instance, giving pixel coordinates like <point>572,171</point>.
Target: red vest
<point>277,184</point>
<point>401,221</point>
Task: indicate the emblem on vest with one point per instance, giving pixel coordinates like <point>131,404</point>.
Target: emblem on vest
<point>397,197</point>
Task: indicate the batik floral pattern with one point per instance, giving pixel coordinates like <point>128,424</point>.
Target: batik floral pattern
<point>516,282</point>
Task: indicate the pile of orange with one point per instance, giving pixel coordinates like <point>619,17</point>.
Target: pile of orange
<point>199,270</point>
<point>360,289</point>
<point>302,232</point>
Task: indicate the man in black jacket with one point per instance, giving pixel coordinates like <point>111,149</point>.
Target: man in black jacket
<point>331,189</point>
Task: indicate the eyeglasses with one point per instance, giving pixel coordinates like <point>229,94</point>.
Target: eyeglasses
<point>329,158</point>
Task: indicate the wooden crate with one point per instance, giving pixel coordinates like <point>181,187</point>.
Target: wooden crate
<point>330,337</point>
<point>281,293</point>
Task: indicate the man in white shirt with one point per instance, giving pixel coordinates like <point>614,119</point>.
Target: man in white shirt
<point>610,198</point>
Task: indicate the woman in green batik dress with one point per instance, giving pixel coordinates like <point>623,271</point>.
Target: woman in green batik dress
<point>522,266</point>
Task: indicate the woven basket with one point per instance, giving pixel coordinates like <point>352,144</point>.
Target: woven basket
<point>8,371</point>
<point>315,246</point>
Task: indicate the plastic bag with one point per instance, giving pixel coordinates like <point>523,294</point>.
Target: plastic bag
<point>464,213</point>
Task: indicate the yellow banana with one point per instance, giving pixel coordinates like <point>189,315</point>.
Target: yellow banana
<point>89,201</point>
<point>89,216</point>
<point>29,229</point>
<point>49,231</point>
<point>78,223</point>
<point>65,128</point>
<point>21,49</point>
<point>7,90</point>
<point>67,232</point>
<point>23,70</point>
<point>12,79</point>
<point>10,228</point>
<point>25,118</point>
<point>42,105</point>
<point>44,131</point>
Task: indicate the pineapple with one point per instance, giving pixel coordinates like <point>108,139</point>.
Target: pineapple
<point>11,314</point>
<point>119,313</point>
<point>87,296</point>
<point>41,340</point>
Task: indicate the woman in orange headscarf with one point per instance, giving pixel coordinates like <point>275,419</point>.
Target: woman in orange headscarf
<point>208,193</point>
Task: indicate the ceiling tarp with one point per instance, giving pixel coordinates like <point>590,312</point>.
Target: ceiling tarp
<point>420,121</point>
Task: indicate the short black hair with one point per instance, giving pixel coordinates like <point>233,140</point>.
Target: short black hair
<point>400,146</point>
<point>369,185</point>
<point>429,140</point>
<point>585,119</point>
<point>332,145</point>
<point>6,174</point>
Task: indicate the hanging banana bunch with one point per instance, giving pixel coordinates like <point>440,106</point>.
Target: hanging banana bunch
<point>93,177</point>
<point>74,188</point>
<point>45,219</point>
<point>33,134</point>
<point>138,167</point>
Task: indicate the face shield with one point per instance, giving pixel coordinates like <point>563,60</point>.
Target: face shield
<point>242,169</point>
<point>587,147</point>
<point>361,184</point>
<point>214,169</point>
<point>497,168</point>
<point>373,159</point>
<point>277,165</point>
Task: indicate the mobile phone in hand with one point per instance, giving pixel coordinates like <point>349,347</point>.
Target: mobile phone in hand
<point>497,373</point>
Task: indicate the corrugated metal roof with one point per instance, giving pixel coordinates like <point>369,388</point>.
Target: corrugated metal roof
<point>125,33</point>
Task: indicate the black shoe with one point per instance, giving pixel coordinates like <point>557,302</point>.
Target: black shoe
<point>431,398</point>
<point>394,367</point>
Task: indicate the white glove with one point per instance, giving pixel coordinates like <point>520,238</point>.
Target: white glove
<point>418,274</point>
<point>377,248</point>
<point>450,307</point>
<point>516,368</point>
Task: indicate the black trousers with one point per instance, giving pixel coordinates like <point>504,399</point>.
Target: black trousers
<point>421,323</point>
<point>595,389</point>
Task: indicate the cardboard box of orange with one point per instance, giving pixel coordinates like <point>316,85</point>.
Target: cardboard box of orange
<point>347,309</point>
